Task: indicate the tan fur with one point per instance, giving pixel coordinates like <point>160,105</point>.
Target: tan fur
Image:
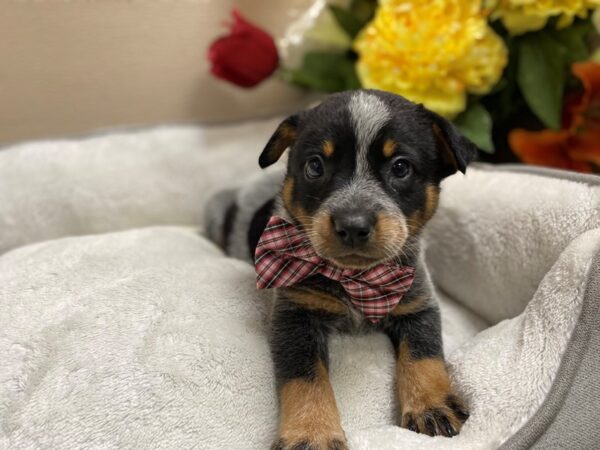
<point>286,135</point>
<point>309,412</point>
<point>419,218</point>
<point>317,300</point>
<point>328,149</point>
<point>409,307</point>
<point>389,148</point>
<point>288,132</point>
<point>288,192</point>
<point>423,384</point>
<point>296,210</point>
<point>389,230</point>
<point>323,235</point>
<point>432,198</point>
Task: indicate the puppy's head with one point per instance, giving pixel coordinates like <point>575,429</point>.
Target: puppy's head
<point>364,172</point>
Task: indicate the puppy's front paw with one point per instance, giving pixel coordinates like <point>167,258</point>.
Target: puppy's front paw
<point>442,419</point>
<point>310,443</point>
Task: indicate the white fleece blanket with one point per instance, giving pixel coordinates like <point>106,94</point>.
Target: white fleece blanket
<point>151,338</point>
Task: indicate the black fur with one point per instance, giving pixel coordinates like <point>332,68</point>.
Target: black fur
<point>299,341</point>
<point>258,224</point>
<point>421,330</point>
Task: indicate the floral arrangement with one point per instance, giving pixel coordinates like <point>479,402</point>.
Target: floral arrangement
<point>521,78</point>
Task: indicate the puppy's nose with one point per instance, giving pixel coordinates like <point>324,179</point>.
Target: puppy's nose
<point>353,228</point>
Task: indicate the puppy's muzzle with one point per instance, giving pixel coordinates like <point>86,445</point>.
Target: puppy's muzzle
<point>354,228</point>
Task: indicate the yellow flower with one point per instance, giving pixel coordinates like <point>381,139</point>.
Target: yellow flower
<point>521,16</point>
<point>431,52</point>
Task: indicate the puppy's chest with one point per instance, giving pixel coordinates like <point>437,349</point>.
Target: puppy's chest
<point>351,320</point>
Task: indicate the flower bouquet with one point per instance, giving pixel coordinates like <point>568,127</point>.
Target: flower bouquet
<point>521,78</point>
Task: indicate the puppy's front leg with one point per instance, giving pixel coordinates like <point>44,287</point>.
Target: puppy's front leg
<point>309,417</point>
<point>427,402</point>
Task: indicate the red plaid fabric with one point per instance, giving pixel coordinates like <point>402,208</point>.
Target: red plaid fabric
<point>285,257</point>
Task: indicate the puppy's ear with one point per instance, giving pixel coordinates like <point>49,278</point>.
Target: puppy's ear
<point>455,149</point>
<point>284,136</point>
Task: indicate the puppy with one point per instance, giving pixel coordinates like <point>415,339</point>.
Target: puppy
<point>363,178</point>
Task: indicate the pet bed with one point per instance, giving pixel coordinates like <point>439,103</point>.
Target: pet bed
<point>122,327</point>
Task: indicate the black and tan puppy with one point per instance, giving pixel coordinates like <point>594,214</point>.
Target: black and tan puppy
<point>363,177</point>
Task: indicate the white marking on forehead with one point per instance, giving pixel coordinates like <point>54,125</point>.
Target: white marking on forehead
<point>369,114</point>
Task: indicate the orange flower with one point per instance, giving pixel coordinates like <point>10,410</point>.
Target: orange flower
<point>577,145</point>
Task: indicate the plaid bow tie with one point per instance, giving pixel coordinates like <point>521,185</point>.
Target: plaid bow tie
<point>284,257</point>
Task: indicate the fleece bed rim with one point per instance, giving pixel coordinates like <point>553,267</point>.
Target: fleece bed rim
<point>586,333</point>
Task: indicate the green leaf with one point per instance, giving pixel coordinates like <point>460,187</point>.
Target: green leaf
<point>349,23</point>
<point>505,92</point>
<point>348,72</point>
<point>476,124</point>
<point>309,80</point>
<point>326,71</point>
<point>541,76</point>
<point>363,10</point>
<point>574,41</point>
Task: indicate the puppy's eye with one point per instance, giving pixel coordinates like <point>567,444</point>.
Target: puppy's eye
<point>314,168</point>
<point>401,168</point>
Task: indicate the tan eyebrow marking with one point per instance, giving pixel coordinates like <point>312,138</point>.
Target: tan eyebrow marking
<point>389,147</point>
<point>328,149</point>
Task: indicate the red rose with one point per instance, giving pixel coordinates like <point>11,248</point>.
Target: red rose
<point>246,56</point>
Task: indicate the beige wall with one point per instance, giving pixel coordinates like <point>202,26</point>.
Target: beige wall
<point>72,66</point>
